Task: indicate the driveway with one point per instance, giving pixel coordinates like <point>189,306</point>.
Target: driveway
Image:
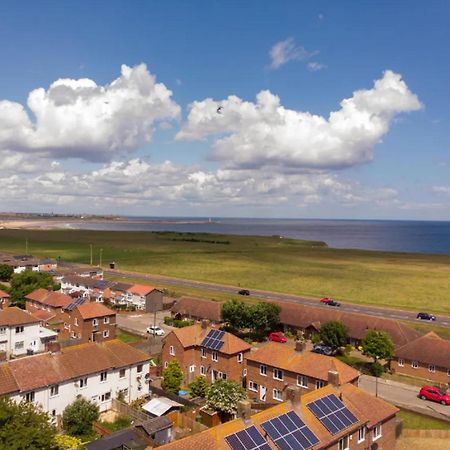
<point>404,395</point>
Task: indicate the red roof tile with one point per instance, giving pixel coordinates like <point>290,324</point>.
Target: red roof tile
<point>91,310</point>
<point>15,316</point>
<point>3,294</point>
<point>49,298</point>
<point>141,289</point>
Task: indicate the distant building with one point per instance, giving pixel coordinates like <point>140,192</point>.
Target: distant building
<point>197,308</point>
<point>4,299</point>
<point>144,297</point>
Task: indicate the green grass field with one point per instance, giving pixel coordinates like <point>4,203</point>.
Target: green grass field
<point>414,421</point>
<point>399,280</point>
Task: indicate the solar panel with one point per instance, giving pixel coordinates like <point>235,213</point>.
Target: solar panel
<point>289,432</point>
<point>79,301</point>
<point>332,413</point>
<point>248,439</point>
<point>214,340</point>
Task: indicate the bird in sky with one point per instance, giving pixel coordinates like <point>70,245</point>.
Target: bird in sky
<point>219,110</point>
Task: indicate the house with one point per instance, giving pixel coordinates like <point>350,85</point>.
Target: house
<point>199,354</point>
<point>302,423</point>
<point>20,263</point>
<point>4,299</point>
<point>426,357</point>
<point>197,308</point>
<point>270,369</point>
<point>91,288</point>
<point>117,293</point>
<point>147,298</point>
<point>92,322</point>
<point>47,265</point>
<point>97,372</point>
<point>21,333</point>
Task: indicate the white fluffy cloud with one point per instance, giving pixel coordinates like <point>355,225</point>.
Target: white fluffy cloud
<point>264,133</point>
<point>284,51</point>
<point>78,118</point>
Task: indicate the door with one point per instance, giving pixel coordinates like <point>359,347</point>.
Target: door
<point>214,375</point>
<point>262,393</point>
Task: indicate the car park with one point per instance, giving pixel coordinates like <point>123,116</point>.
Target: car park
<point>425,316</point>
<point>434,394</point>
<point>276,336</point>
<point>155,330</point>
<point>244,292</point>
<point>322,349</point>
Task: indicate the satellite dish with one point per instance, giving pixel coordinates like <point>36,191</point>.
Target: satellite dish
<point>374,446</point>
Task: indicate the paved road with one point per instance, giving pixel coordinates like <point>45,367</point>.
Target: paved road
<point>403,395</point>
<point>368,310</point>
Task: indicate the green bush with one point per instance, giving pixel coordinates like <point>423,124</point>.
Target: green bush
<point>79,416</point>
<point>168,320</point>
<point>315,338</point>
<point>119,424</point>
<point>376,369</point>
<point>183,323</point>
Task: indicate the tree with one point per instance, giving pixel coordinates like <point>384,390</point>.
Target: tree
<point>6,272</point>
<point>24,283</point>
<point>172,377</point>
<point>199,387</point>
<point>334,334</point>
<point>378,345</point>
<point>236,314</point>
<point>24,427</point>
<point>78,417</point>
<point>223,396</point>
<point>66,442</point>
<point>264,316</point>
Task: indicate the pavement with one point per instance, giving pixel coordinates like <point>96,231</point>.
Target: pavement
<point>403,396</point>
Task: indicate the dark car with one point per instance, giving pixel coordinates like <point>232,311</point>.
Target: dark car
<point>333,303</point>
<point>425,316</point>
<point>244,292</point>
<point>435,394</point>
<point>322,349</point>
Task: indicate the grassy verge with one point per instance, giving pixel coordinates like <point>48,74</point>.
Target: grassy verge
<point>385,279</point>
<point>426,327</point>
<point>414,421</point>
<point>128,338</point>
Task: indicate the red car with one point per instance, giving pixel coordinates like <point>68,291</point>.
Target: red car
<point>435,394</point>
<point>325,300</point>
<point>277,337</point>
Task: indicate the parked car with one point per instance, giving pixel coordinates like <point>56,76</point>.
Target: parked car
<point>155,330</point>
<point>435,394</point>
<point>325,300</point>
<point>425,316</point>
<point>244,292</point>
<point>277,337</point>
<point>333,303</point>
<point>322,349</point>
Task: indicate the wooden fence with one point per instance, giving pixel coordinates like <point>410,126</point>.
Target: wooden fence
<point>126,410</point>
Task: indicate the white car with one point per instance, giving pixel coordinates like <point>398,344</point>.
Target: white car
<point>155,330</point>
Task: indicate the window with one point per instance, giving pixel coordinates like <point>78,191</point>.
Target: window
<point>139,368</point>
<point>166,365</point>
<point>94,322</point>
<point>343,443</point>
<point>105,320</point>
<point>105,333</point>
<point>203,353</point>
<point>431,368</point>
<point>19,329</point>
<point>202,370</point>
<point>29,397</point>
<point>302,381</point>
<point>191,369</point>
<point>252,386</point>
<point>172,350</point>
<point>401,362</point>
<point>54,390</point>
<point>103,376</point>
<point>320,384</point>
<point>377,431</point>
<point>263,370</point>
<point>214,356</point>
<point>224,376</point>
<point>106,396</point>
<point>414,364</point>
<point>53,412</point>
<point>240,357</point>
<point>361,434</point>
<point>2,330</point>
<point>83,382</point>
<point>244,372</point>
<point>76,321</point>
<point>122,373</point>
<point>19,345</point>
<point>277,395</point>
<point>278,374</point>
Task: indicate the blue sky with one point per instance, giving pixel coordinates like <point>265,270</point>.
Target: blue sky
<point>147,149</point>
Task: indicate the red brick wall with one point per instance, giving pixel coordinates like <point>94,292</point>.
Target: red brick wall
<point>440,375</point>
<point>86,328</point>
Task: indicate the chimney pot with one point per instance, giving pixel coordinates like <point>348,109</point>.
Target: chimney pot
<point>244,410</point>
<point>300,345</point>
<point>333,378</point>
<point>204,324</point>
<point>293,394</point>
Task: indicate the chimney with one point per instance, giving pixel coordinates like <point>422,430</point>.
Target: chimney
<point>204,324</point>
<point>300,345</point>
<point>293,395</point>
<point>244,410</point>
<point>333,378</point>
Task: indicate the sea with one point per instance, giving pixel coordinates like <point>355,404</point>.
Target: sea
<point>388,235</point>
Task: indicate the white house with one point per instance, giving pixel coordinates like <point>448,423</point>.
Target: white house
<point>97,372</point>
<point>21,333</point>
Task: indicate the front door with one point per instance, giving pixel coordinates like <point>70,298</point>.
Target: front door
<point>214,375</point>
<point>262,393</point>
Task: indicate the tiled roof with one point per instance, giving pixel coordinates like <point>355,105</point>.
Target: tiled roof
<point>49,298</point>
<point>367,409</point>
<point>141,289</point>
<point>429,349</point>
<point>305,363</point>
<point>90,310</point>
<point>46,369</point>
<point>198,307</point>
<point>358,325</point>
<point>15,316</point>
<point>43,314</point>
<point>194,335</point>
<point>3,294</point>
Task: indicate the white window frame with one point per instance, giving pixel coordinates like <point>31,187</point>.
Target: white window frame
<point>401,362</point>
<point>252,386</point>
<point>94,322</point>
<point>29,397</point>
<point>214,356</point>
<point>320,384</point>
<point>376,432</point>
<point>106,320</point>
<point>344,443</point>
<point>83,382</point>
<point>2,330</point>
<point>203,352</point>
<point>19,345</point>
<point>139,368</point>
<point>103,398</point>
<point>278,374</point>
<point>240,357</point>
<point>166,365</point>
<point>244,372</point>
<point>172,350</point>
<point>192,368</point>
<point>431,368</point>
<point>103,376</point>
<point>275,396</point>
<point>54,390</point>
<point>361,434</point>
<point>20,329</point>
<point>263,370</point>
<point>76,321</point>
<point>415,364</point>
<point>105,333</point>
<point>202,370</point>
<point>124,372</point>
<point>302,381</point>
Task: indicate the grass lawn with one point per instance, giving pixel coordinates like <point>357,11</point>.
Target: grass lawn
<point>399,280</point>
<point>421,444</point>
<point>128,338</point>
<point>414,421</point>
